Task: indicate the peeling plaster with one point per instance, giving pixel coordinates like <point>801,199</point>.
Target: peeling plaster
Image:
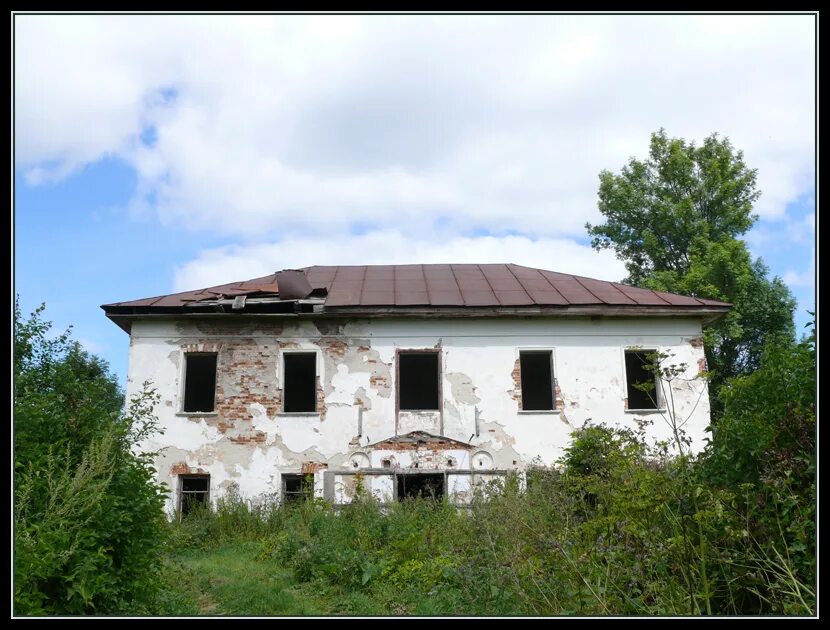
<point>463,390</point>
<point>250,442</point>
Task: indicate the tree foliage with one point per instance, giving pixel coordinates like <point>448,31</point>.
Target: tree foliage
<point>675,220</point>
<point>88,520</point>
<point>656,209</point>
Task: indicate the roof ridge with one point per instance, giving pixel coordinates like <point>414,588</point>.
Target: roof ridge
<point>556,289</point>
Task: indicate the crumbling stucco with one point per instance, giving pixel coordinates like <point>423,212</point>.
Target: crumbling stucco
<point>250,441</point>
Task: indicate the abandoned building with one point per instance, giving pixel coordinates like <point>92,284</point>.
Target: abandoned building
<point>405,380</point>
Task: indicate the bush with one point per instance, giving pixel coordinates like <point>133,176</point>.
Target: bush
<point>88,521</point>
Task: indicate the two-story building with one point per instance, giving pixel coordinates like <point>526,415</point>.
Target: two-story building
<point>407,379</point>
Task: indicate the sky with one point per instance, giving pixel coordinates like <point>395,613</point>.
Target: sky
<point>156,154</point>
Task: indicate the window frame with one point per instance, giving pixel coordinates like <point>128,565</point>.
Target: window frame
<point>396,497</point>
<point>183,384</point>
<point>181,492</point>
<point>658,402</point>
<point>318,378</point>
<point>554,379</point>
<point>308,493</point>
<point>438,360</point>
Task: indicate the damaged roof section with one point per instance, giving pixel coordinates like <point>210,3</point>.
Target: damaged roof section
<point>420,289</point>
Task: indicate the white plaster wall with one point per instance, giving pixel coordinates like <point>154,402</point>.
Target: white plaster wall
<point>478,358</point>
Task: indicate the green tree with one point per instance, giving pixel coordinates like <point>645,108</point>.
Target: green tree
<point>88,519</point>
<point>675,219</point>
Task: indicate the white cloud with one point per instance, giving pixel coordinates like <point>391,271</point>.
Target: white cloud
<point>91,346</point>
<point>321,123</point>
<point>800,279</point>
<point>805,278</point>
<point>228,264</point>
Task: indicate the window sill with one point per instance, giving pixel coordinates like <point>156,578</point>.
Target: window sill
<point>662,410</point>
<point>197,414</point>
<point>298,414</point>
<point>542,412</point>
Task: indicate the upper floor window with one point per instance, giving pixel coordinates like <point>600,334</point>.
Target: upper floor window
<point>419,381</point>
<point>641,379</point>
<point>299,382</point>
<point>199,382</point>
<point>536,368</point>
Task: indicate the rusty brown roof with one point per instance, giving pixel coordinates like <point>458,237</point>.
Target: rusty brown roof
<point>482,286</point>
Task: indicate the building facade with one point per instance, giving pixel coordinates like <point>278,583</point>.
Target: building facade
<point>403,380</point>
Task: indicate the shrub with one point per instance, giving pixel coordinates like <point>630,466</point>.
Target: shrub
<point>88,521</point>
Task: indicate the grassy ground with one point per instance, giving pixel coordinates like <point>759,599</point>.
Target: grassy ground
<point>235,580</point>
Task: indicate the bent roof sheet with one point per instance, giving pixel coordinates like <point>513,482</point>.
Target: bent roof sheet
<point>490,285</point>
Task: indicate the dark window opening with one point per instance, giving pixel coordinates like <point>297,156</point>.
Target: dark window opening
<point>418,381</point>
<point>194,493</point>
<point>296,488</point>
<point>199,382</point>
<point>300,387</point>
<point>639,371</point>
<point>537,381</point>
<point>420,486</point>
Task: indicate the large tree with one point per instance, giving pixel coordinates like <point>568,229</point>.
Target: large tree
<point>675,220</point>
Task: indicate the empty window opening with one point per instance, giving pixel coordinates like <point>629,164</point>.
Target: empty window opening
<point>639,374</point>
<point>199,382</point>
<point>296,488</point>
<point>537,380</point>
<point>300,387</point>
<point>420,485</point>
<point>418,381</point>
<point>194,492</point>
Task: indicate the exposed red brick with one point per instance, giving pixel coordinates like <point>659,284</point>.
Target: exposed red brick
<point>516,394</point>
<point>257,437</point>
<point>180,468</point>
<point>309,468</point>
<point>321,400</point>
<point>557,396</point>
<point>378,380</point>
<point>335,348</point>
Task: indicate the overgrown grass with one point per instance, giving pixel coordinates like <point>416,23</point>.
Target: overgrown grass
<point>622,533</point>
<point>233,579</point>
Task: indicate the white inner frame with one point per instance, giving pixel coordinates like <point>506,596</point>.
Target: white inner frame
<point>657,387</point>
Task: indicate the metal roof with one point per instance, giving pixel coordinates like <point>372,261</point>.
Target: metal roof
<point>460,286</point>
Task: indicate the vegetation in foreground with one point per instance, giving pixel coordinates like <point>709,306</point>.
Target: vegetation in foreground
<point>620,527</point>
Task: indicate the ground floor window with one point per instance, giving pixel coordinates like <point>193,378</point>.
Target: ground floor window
<point>427,486</point>
<point>194,490</point>
<point>297,487</point>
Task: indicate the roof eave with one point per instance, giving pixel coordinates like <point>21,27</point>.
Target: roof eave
<point>123,317</point>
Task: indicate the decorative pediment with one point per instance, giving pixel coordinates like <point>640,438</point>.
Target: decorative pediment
<point>419,439</point>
